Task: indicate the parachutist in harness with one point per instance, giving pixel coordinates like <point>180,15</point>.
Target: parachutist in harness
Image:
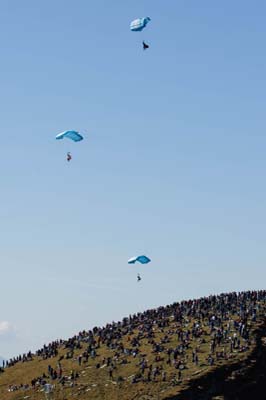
<point>69,157</point>
<point>145,45</point>
<point>139,278</point>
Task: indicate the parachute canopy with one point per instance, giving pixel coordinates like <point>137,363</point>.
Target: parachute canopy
<point>140,259</point>
<point>139,24</point>
<point>73,135</point>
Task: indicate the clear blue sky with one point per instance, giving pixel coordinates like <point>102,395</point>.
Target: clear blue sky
<point>173,163</point>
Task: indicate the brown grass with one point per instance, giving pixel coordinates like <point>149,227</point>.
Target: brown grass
<point>95,383</point>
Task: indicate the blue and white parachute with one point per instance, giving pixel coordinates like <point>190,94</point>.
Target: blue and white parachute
<point>141,259</point>
<point>73,135</point>
<point>138,24</point>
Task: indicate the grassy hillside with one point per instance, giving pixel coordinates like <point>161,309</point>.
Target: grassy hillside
<point>153,355</point>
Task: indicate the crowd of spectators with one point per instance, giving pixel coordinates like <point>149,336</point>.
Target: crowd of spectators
<point>175,335</point>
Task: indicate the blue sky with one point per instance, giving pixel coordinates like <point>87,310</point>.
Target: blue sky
<point>173,162</point>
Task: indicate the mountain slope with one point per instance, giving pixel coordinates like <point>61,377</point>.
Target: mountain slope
<point>156,354</point>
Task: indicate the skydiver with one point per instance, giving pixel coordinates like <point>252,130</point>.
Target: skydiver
<point>145,45</point>
<point>139,278</point>
<point>69,157</point>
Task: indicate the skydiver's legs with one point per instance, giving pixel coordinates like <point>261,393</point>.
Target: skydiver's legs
<point>145,45</point>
